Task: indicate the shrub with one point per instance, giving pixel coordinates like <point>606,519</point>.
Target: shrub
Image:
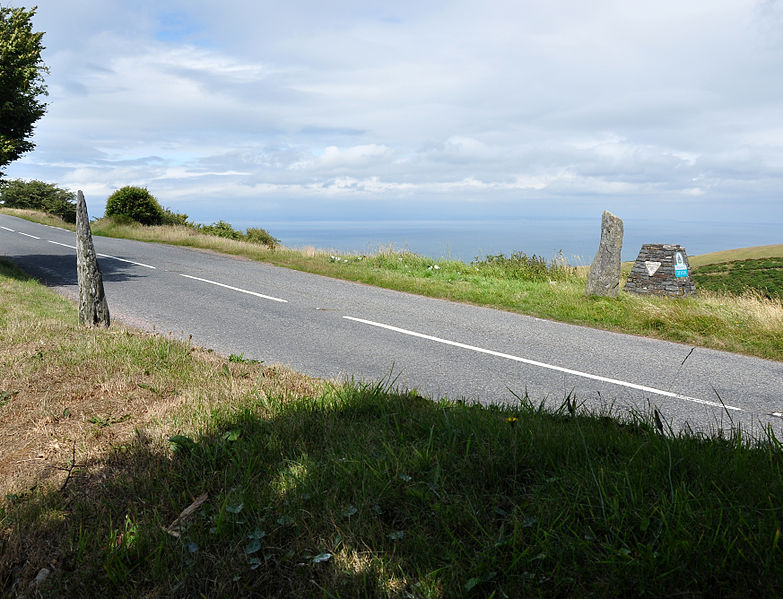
<point>262,236</point>
<point>174,218</point>
<point>220,229</point>
<point>37,195</point>
<point>136,203</point>
<point>521,266</point>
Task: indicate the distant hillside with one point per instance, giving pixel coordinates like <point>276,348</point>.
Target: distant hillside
<point>764,275</point>
<point>759,251</point>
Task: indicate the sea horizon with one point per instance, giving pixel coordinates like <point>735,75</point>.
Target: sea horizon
<point>466,240</point>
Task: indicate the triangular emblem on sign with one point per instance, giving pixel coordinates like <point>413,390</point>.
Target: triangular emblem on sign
<point>652,267</point>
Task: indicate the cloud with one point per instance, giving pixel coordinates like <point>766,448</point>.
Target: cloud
<point>333,158</point>
<point>499,105</point>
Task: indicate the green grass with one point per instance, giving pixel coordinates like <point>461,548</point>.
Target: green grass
<point>758,251</point>
<point>746,324</point>
<point>764,275</point>
<point>352,490</point>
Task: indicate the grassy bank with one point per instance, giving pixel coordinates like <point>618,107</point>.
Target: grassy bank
<point>749,253</point>
<point>747,323</point>
<point>762,274</point>
<point>305,488</point>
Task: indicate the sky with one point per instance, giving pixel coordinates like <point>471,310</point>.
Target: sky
<point>668,113</point>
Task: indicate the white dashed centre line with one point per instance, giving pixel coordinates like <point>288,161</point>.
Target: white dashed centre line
<point>7,229</point>
<point>28,235</point>
<point>65,245</point>
<point>269,297</point>
<point>124,260</point>
<point>586,375</point>
<point>73,247</point>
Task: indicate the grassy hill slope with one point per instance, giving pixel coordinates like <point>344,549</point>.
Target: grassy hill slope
<point>758,251</point>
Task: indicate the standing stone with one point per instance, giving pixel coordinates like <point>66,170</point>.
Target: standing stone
<point>604,276</point>
<point>93,309</point>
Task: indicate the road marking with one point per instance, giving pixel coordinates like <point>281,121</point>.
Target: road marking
<point>7,229</point>
<point>586,375</point>
<point>28,235</point>
<point>65,245</point>
<point>269,297</point>
<point>124,260</point>
<point>73,247</point>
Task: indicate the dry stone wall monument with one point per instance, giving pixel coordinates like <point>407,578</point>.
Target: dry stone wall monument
<point>93,309</point>
<point>604,276</point>
<point>661,269</point>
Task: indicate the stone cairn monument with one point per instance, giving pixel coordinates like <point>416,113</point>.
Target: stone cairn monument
<point>604,276</point>
<point>661,269</point>
<point>93,309</point>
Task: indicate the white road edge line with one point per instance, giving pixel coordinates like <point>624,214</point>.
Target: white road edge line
<point>586,375</point>
<point>65,245</point>
<point>269,297</point>
<point>7,229</point>
<point>28,235</point>
<point>124,260</point>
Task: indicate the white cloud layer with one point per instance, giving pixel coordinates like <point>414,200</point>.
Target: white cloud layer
<point>500,107</point>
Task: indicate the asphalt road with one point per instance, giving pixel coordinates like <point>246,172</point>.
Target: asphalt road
<point>337,329</point>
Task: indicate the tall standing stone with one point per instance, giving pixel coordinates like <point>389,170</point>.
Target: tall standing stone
<point>93,309</point>
<point>604,276</point>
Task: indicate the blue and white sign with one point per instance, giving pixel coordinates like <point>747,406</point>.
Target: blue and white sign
<point>680,268</point>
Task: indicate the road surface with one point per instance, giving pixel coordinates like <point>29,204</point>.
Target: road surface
<point>336,329</point>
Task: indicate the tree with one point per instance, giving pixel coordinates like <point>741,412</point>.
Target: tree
<point>37,195</point>
<point>21,82</point>
<point>136,203</point>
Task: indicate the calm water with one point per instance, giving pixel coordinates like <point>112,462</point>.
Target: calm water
<point>465,240</point>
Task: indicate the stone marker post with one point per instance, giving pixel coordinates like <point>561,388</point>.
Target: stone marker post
<point>93,309</point>
<point>604,276</point>
<point>661,269</point>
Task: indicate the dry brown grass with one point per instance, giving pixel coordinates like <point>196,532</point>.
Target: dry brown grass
<point>70,392</point>
<point>38,217</point>
<point>758,251</point>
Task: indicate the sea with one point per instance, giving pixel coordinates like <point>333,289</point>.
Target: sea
<point>576,239</point>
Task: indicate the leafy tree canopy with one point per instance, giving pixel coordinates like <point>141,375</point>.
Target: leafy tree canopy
<point>21,82</point>
<point>136,203</point>
<point>37,195</point>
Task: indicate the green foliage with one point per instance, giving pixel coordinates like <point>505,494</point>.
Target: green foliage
<point>764,275</point>
<point>520,266</point>
<point>253,235</point>
<point>37,195</point>
<point>437,499</point>
<point>136,203</point>
<point>174,218</point>
<point>261,236</point>
<point>21,82</point>
<point>220,229</point>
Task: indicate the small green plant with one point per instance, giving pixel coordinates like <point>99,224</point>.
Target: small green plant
<point>241,359</point>
<point>5,397</point>
<point>136,203</point>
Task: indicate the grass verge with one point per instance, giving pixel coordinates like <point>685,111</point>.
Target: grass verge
<point>748,323</point>
<point>306,488</point>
